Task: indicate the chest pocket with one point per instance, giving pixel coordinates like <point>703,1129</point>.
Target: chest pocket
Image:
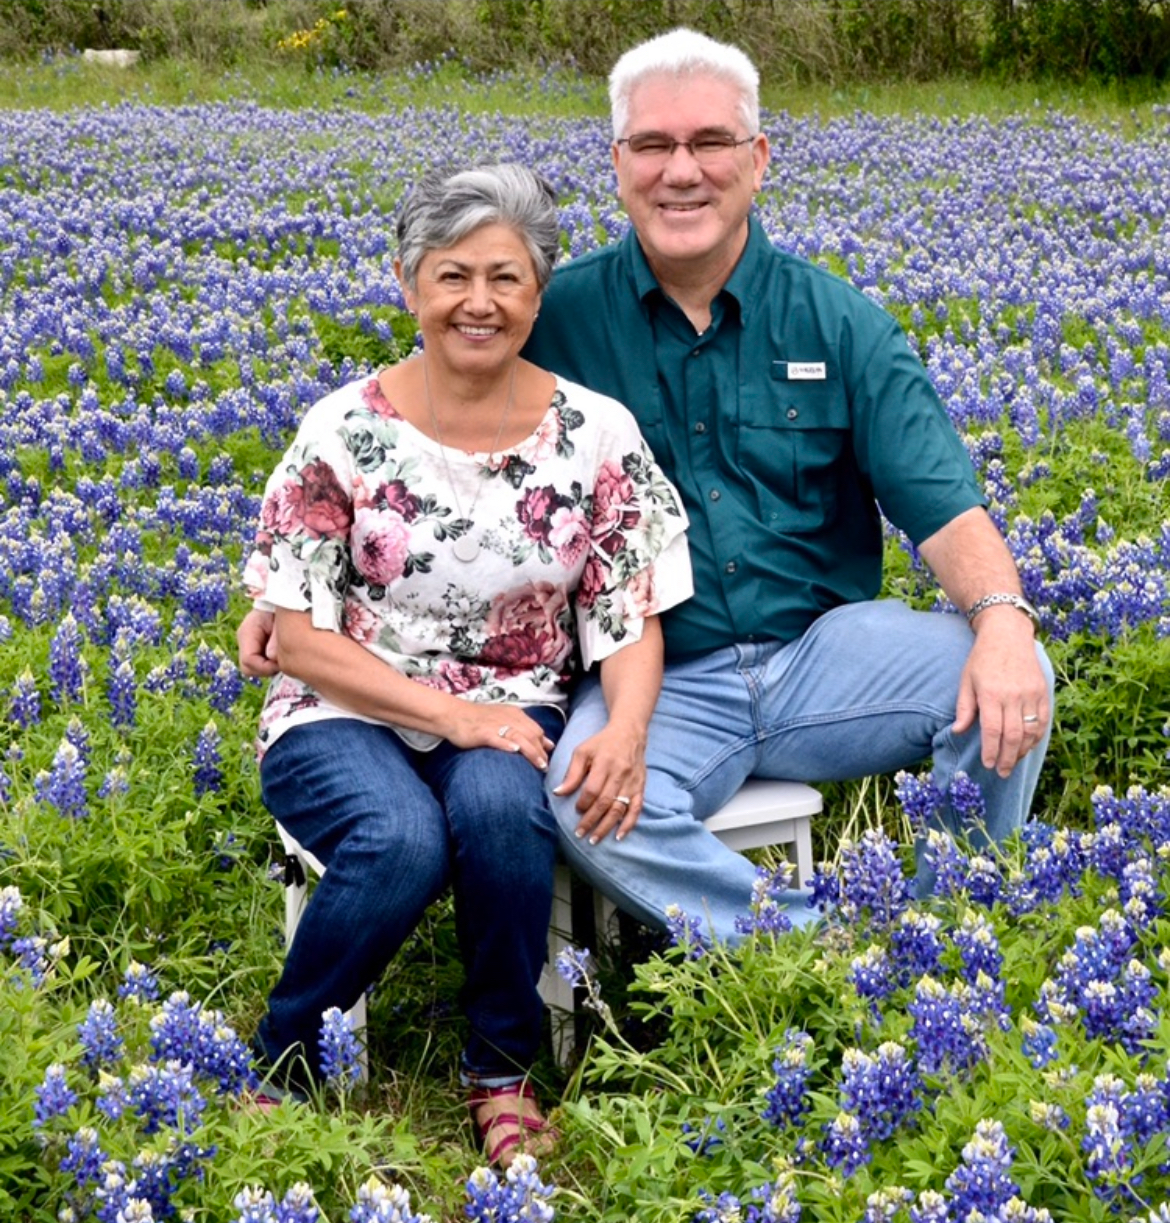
<point>793,445</point>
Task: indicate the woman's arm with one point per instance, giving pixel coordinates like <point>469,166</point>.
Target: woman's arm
<point>612,763</point>
<point>352,678</point>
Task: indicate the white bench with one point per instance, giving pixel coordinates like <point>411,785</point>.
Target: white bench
<point>298,863</point>
<point>763,813</point>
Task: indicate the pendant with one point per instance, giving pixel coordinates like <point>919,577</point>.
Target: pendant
<point>466,549</point>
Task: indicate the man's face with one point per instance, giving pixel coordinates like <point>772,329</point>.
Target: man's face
<point>690,215</point>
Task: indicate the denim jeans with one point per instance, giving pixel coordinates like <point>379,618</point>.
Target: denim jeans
<point>869,688</point>
<point>393,827</point>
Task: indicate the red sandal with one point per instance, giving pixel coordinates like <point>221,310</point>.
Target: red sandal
<point>509,1121</point>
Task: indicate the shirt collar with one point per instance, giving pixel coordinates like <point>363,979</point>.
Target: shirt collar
<point>740,286</point>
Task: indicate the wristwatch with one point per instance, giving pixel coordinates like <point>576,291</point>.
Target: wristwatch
<point>1016,601</point>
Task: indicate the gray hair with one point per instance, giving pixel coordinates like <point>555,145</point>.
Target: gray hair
<point>445,206</point>
<point>682,54</point>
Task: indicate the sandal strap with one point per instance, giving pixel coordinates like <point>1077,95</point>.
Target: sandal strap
<point>516,1123</point>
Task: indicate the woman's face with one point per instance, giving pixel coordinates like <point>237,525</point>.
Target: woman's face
<point>475,301</point>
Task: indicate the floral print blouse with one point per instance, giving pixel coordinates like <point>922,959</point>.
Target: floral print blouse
<point>580,537</point>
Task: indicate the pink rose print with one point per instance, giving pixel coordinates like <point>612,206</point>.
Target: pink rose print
<point>592,582</point>
<point>454,677</point>
<point>377,403</point>
<point>615,508</point>
<point>326,507</point>
<point>524,629</point>
<point>283,509</point>
<point>640,596</point>
<point>542,445</point>
<point>256,574</point>
<point>535,509</point>
<point>397,497</point>
<point>359,622</point>
<point>380,546</point>
<point>568,534</point>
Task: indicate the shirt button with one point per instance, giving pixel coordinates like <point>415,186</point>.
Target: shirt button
<point>700,427</point>
<point>792,413</point>
<point>730,567</point>
<point>696,352</point>
<point>714,494</point>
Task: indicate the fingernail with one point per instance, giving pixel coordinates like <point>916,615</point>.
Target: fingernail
<point>558,789</point>
<point>592,840</point>
<point>579,833</point>
<point>621,836</point>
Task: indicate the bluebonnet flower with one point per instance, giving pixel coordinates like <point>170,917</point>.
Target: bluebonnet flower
<point>114,782</point>
<point>24,708</point>
<point>882,1206</point>
<point>983,1180</point>
<point>947,862</point>
<point>978,947</point>
<point>931,1207</point>
<point>825,887</point>
<point>225,688</point>
<point>946,1036</point>
<point>921,800</point>
<point>36,955</point>
<point>166,1096</point>
<point>122,691</point>
<point>520,1196</point>
<point>1107,1150</point>
<point>915,945</point>
<point>780,1202</point>
<point>1039,1042</point>
<point>381,1203</point>
<point>873,886</point>
<point>726,1208</point>
<point>788,1100</point>
<point>297,1205</point>
<point>114,1096</point>
<point>98,1032</point>
<point>706,1139</point>
<point>686,932</point>
<point>1049,1116</point>
<point>872,975</point>
<point>11,903</point>
<point>575,965</point>
<point>255,1205</point>
<point>339,1050</point>
<point>208,770</point>
<point>881,1090</point>
<point>63,786</point>
<point>766,913</point>
<point>184,1031</point>
<point>845,1145</point>
<point>985,884</point>
<point>67,667</point>
<point>54,1096</point>
<point>1144,1110</point>
<point>139,983</point>
<point>83,1157</point>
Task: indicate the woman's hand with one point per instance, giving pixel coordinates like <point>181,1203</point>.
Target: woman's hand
<point>610,771</point>
<point>507,728</point>
<point>256,643</point>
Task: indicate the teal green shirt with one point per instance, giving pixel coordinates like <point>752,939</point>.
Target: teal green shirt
<point>784,425</point>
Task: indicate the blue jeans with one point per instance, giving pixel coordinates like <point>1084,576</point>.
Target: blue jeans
<point>393,827</point>
<point>869,688</point>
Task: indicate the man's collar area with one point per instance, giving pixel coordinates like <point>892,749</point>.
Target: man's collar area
<point>740,285</point>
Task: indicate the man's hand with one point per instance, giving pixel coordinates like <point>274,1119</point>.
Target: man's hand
<point>256,643</point>
<point>1004,687</point>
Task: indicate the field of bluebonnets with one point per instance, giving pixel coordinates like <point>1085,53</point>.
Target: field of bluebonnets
<point>177,285</point>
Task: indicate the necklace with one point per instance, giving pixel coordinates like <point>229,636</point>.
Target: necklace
<point>465,548</point>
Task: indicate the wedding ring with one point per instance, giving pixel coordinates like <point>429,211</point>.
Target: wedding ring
<point>504,731</point>
<point>1031,717</point>
<point>621,798</point>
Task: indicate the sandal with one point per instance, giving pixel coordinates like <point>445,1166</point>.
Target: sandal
<point>509,1121</point>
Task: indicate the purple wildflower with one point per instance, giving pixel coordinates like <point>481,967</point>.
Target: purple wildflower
<point>139,983</point>
<point>54,1096</point>
<point>788,1100</point>
<point>686,932</point>
<point>208,770</point>
<point>98,1033</point>
<point>340,1052</point>
<point>983,1180</point>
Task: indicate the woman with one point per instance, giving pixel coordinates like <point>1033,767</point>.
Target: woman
<point>439,544</point>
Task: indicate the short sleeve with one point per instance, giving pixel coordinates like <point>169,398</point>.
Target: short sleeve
<point>299,558</point>
<point>638,563</point>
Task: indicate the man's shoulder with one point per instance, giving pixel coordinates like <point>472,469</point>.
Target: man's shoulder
<point>587,269</point>
<point>817,282</point>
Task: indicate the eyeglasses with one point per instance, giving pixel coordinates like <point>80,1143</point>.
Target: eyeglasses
<point>706,149</point>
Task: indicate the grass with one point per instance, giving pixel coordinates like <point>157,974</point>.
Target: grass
<point>67,82</point>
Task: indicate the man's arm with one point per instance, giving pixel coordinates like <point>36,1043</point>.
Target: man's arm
<point>1002,682</point>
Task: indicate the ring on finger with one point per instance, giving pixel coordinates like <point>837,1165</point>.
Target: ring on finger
<point>623,799</point>
<point>504,731</point>
<point>1031,717</point>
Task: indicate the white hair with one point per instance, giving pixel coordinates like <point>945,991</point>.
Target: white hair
<point>682,54</point>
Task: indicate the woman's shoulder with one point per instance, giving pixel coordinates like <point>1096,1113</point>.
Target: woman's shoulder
<point>600,411</point>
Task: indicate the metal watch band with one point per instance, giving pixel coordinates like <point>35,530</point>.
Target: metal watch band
<point>994,600</point>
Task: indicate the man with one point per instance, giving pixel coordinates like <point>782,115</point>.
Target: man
<point>785,406</point>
